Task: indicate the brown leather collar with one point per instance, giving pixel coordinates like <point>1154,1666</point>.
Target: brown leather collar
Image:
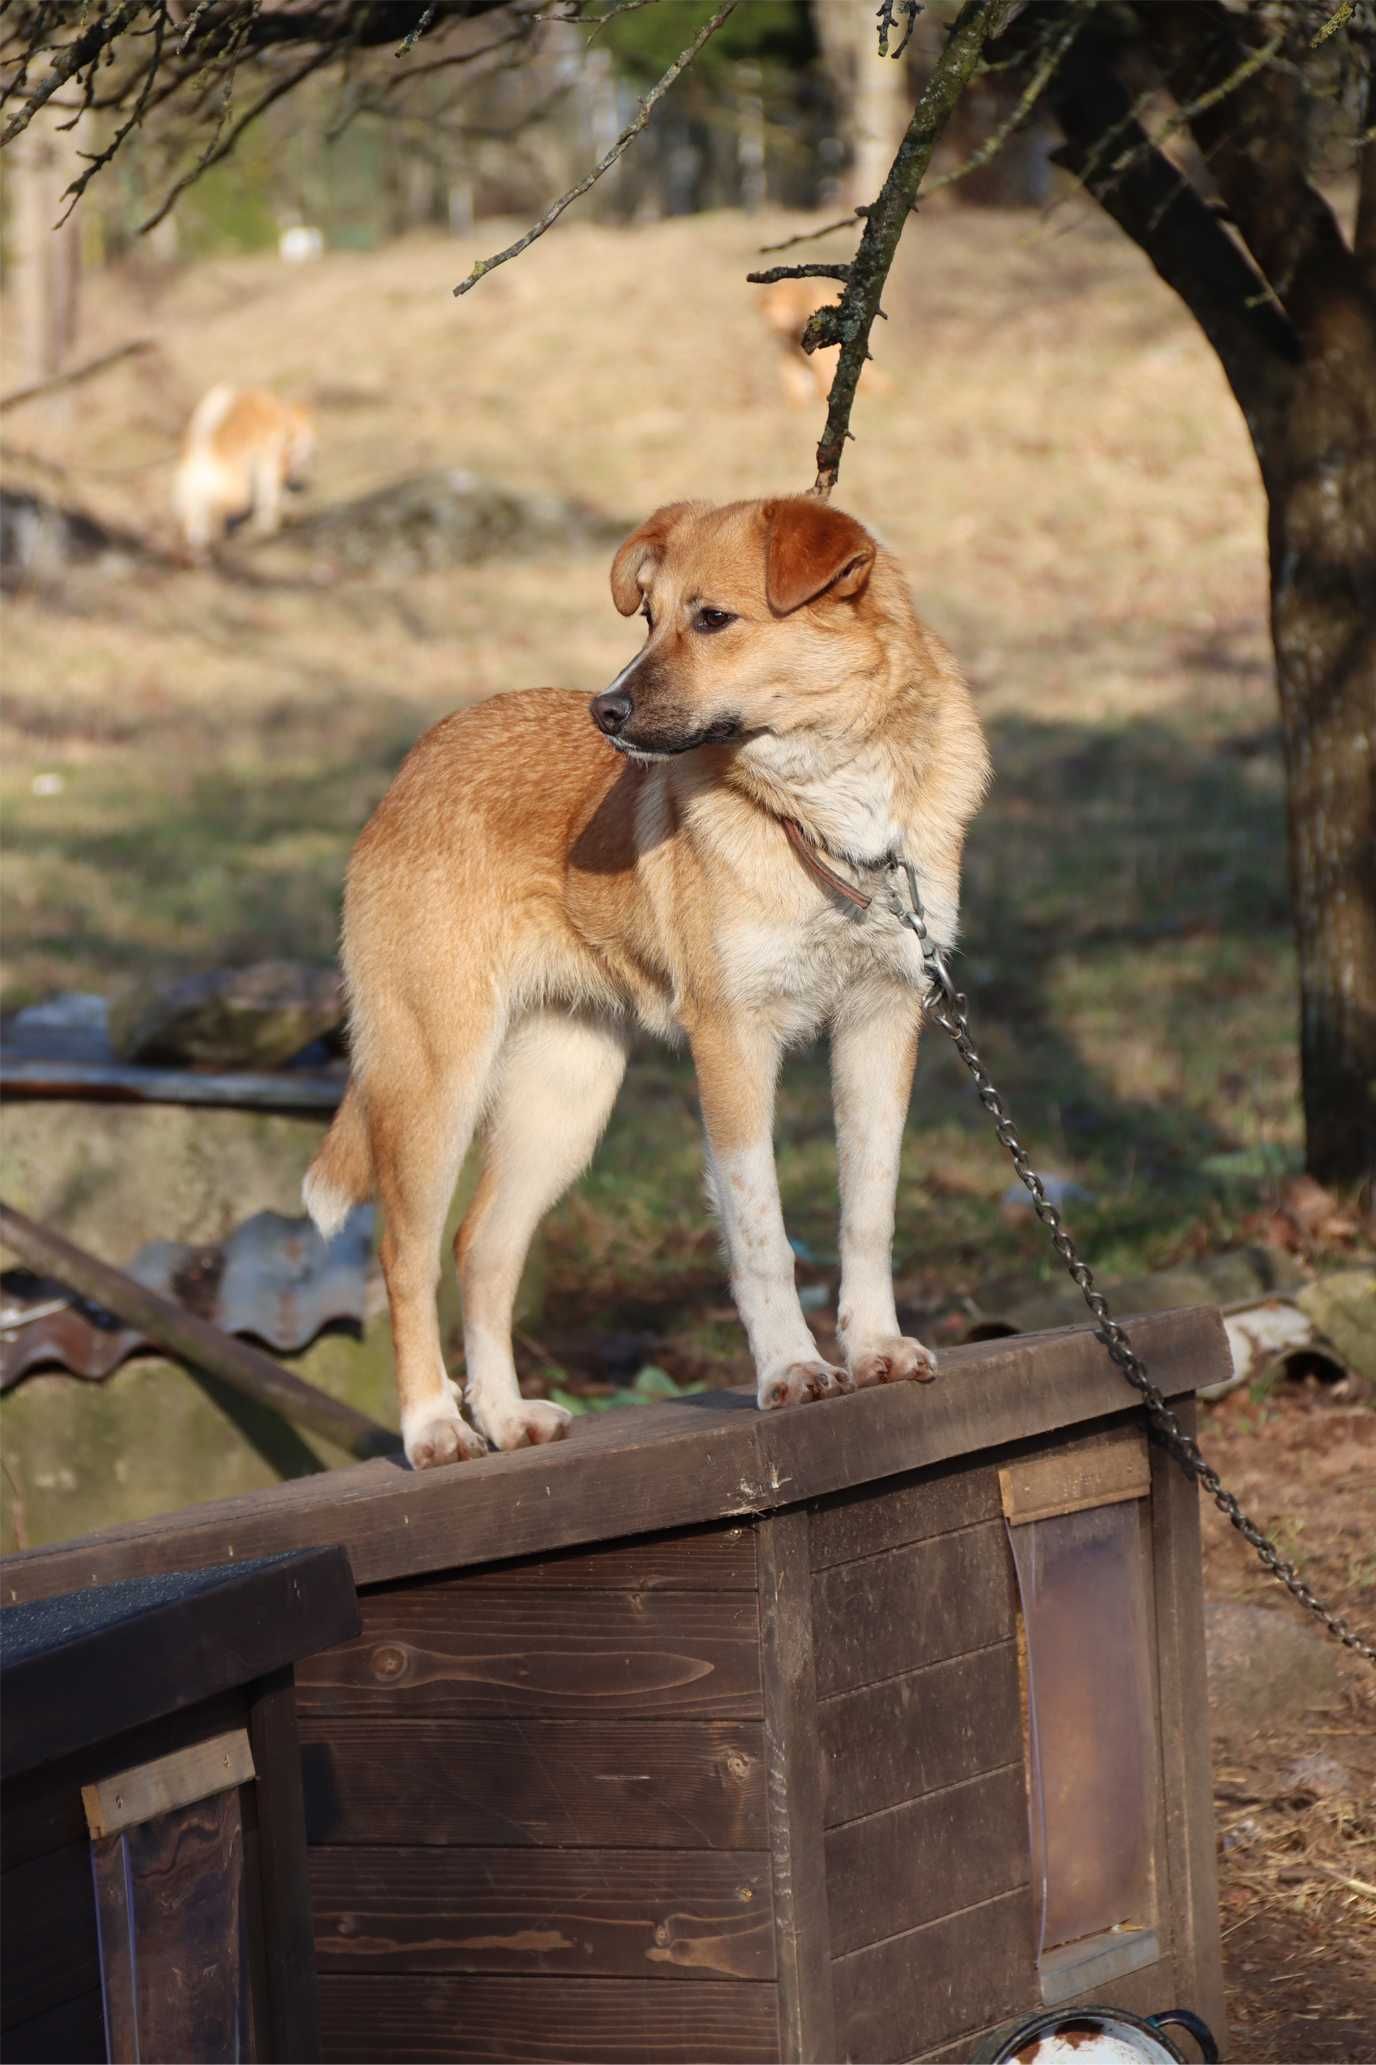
<point>818,869</point>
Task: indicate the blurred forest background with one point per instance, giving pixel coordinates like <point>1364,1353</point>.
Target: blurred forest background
<point>187,752</point>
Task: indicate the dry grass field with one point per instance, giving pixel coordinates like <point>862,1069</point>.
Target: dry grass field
<point>186,757</point>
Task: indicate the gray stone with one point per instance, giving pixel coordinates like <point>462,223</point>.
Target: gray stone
<point>1267,1665</point>
<point>229,1018</point>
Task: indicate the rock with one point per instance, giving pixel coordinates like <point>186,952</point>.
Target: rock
<point>74,1026</point>
<point>1342,1306</point>
<point>40,539</point>
<point>432,520</point>
<point>1267,1665</point>
<point>257,1017</point>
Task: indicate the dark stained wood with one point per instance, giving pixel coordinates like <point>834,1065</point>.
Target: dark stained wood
<point>887,1514</point>
<point>894,1871</point>
<point>291,2013</point>
<point>894,1741</point>
<point>73,2033</point>
<point>618,1783</point>
<point>914,1993</point>
<point>1144,1992</point>
<point>564,2021</point>
<point>42,1810</point>
<point>685,1914</point>
<point>443,1649</point>
<point>695,1559</point>
<point>168,1894</point>
<point>1187,1787</point>
<point>700,1458</point>
<point>793,1759</point>
<point>48,1947</point>
<point>887,1614</point>
<point>78,1671</point>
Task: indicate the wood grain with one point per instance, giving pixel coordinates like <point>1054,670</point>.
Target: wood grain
<point>794,1776</point>
<point>897,1510</point>
<point>290,2014</point>
<point>142,1791</point>
<point>693,1559</point>
<point>441,1649</point>
<point>912,1994</point>
<point>895,1871</point>
<point>410,2021</point>
<point>886,1614</point>
<point>1074,1476</point>
<point>684,1914</point>
<point>895,1741</point>
<point>1143,1992</point>
<point>698,1459</point>
<point>674,1785</point>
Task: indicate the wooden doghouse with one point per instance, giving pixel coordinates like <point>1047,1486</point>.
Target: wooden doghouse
<point>850,1732</point>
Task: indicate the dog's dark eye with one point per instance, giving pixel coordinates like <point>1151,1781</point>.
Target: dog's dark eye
<point>712,620</point>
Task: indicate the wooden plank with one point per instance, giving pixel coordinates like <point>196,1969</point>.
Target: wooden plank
<point>432,1650</point>
<point>793,1758</point>
<point>48,1947</point>
<point>887,1614</point>
<point>701,1458</point>
<point>80,1670</point>
<point>72,2033</point>
<point>42,1810</point>
<point>899,1999</point>
<point>169,1896</point>
<point>1143,1992</point>
<point>682,1914</point>
<point>1076,1475</point>
<point>1187,1777</point>
<point>1073,1970</point>
<point>403,2021</point>
<point>145,1790</point>
<point>662,1785</point>
<point>892,1872</point>
<point>896,1511</point>
<point>895,1741</point>
<point>291,2013</point>
<point>692,1559</point>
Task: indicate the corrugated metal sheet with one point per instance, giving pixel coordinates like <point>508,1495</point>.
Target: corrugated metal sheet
<point>274,1278</point>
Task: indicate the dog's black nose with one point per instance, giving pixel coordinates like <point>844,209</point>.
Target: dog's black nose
<point>611,711</point>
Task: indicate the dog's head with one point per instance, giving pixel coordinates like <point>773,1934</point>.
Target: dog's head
<point>758,623</point>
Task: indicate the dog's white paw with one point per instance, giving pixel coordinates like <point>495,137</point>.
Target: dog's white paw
<point>800,1383</point>
<point>437,1433</point>
<point>526,1425</point>
<point>899,1360</point>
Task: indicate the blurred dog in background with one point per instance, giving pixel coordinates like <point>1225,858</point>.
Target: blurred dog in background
<point>242,450</point>
<point>786,306</point>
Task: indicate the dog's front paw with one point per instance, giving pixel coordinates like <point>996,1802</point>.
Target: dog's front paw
<point>898,1360</point>
<point>800,1383</point>
<point>436,1433</point>
<point>526,1425</point>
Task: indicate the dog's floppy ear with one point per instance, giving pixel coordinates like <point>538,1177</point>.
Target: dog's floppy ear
<point>812,549</point>
<point>645,544</point>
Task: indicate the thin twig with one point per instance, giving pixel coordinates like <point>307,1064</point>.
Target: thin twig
<point>604,164</point>
<point>798,272</point>
<point>1334,23</point>
<point>850,321</point>
<point>1055,49</point>
<point>77,373</point>
<point>221,150</point>
<point>810,236</point>
<point>83,51</point>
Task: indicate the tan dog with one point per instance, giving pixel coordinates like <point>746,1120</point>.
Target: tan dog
<point>787,306</point>
<point>535,885</point>
<point>242,449</point>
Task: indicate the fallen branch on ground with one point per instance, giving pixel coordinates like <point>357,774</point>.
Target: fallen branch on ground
<point>76,374</point>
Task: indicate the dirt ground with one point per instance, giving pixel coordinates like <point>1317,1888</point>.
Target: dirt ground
<point>184,758</point>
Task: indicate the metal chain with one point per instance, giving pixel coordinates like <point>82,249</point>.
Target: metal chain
<point>950,1009</point>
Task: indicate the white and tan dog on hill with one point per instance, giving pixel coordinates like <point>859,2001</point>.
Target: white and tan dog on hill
<point>787,307</point>
<point>706,852</point>
<point>243,449</point>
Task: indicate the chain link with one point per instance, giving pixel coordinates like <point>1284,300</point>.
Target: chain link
<point>950,1009</point>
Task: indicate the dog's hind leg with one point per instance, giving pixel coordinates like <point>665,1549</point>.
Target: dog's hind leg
<point>557,1081</point>
<point>421,1117</point>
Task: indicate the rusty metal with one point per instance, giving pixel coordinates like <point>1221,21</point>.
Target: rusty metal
<point>274,1279</point>
<point>946,1004</point>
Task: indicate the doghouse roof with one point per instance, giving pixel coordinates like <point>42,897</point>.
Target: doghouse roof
<point>709,1456</point>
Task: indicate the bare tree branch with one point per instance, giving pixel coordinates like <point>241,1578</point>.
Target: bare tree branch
<point>605,163</point>
<point>75,374</point>
<point>798,272</point>
<point>810,236</point>
<point>850,321</point>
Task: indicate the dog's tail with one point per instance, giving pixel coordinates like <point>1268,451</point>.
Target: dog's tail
<point>341,1176</point>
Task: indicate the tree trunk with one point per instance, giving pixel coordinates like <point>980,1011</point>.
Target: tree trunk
<point>1319,468</point>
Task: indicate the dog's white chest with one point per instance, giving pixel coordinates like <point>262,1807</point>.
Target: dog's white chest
<point>797,971</point>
